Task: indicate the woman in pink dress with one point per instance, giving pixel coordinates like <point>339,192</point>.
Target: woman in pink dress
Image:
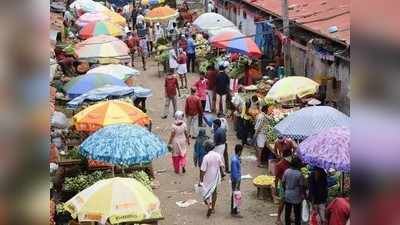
<point>179,141</point>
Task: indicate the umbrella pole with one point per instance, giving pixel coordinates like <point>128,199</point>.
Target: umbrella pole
<point>113,170</point>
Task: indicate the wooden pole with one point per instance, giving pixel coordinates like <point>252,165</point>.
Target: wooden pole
<point>286,32</point>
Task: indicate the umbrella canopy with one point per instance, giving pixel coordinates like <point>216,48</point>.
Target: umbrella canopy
<point>212,22</point>
<point>288,88</point>
<point>115,17</point>
<point>227,29</point>
<point>116,199</point>
<point>100,28</point>
<point>84,83</point>
<point>107,113</point>
<point>328,149</point>
<point>90,17</point>
<point>123,144</point>
<point>310,120</point>
<point>102,46</point>
<point>152,2</point>
<point>161,14</point>
<point>236,42</point>
<point>87,6</point>
<point>117,70</point>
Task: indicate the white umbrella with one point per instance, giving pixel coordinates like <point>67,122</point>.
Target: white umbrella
<point>117,70</point>
<point>211,22</point>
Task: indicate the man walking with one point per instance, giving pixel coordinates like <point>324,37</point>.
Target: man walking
<point>191,52</point>
<point>193,109</point>
<point>222,82</point>
<point>235,179</point>
<point>260,135</point>
<point>220,142</point>
<point>211,172</point>
<point>171,87</point>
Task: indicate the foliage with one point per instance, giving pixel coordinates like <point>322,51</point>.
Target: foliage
<point>162,53</point>
<point>73,154</point>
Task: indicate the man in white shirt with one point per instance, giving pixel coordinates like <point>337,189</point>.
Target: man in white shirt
<point>140,19</point>
<point>210,7</point>
<point>158,32</point>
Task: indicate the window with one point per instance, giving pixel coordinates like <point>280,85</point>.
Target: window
<point>244,15</point>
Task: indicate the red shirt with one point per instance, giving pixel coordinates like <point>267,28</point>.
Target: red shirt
<point>280,168</point>
<point>182,43</point>
<point>182,58</point>
<point>211,74</point>
<point>171,84</point>
<point>339,211</point>
<point>133,41</point>
<point>193,106</point>
<point>201,87</point>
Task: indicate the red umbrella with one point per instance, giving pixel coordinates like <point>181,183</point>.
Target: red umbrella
<point>236,42</point>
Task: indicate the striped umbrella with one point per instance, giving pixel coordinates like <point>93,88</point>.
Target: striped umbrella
<point>117,200</point>
<point>123,144</point>
<point>236,42</point>
<point>115,17</point>
<point>152,2</point>
<point>102,46</point>
<point>100,28</point>
<point>328,149</point>
<point>107,113</point>
<point>117,70</point>
<point>84,83</point>
<point>91,17</point>
<point>288,88</point>
<point>310,120</point>
<point>161,14</point>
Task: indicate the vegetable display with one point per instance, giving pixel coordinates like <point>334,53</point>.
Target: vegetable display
<point>264,180</point>
<point>80,182</point>
<point>202,47</point>
<point>142,177</point>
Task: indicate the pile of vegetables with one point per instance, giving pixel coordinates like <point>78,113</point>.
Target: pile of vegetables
<point>204,64</point>
<point>202,47</point>
<point>80,182</point>
<point>162,53</point>
<point>72,154</point>
<point>142,177</point>
<point>264,180</point>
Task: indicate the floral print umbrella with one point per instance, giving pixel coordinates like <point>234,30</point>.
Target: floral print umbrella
<point>329,149</point>
<point>123,144</point>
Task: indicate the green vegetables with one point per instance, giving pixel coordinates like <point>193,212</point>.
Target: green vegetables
<point>162,53</point>
<point>142,177</point>
<point>238,68</point>
<point>73,154</point>
<point>305,172</point>
<point>80,182</point>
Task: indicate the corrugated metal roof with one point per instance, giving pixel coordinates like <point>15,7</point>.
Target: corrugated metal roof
<point>315,15</point>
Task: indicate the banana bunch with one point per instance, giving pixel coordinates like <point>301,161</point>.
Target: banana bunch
<point>264,180</point>
<point>142,177</point>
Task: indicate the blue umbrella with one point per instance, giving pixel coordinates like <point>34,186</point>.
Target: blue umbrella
<point>84,83</point>
<point>310,120</point>
<point>124,145</point>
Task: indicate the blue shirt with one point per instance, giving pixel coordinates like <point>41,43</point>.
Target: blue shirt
<point>235,169</point>
<point>191,48</point>
<point>219,136</point>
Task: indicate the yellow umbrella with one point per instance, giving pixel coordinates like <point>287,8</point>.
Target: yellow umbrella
<point>107,113</point>
<point>115,17</point>
<point>288,88</point>
<point>118,200</point>
<point>161,14</point>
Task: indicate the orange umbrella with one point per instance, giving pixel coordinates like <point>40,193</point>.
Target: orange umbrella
<point>161,14</point>
<point>108,113</point>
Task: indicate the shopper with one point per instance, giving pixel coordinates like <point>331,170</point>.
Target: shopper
<point>192,111</point>
<point>222,82</point>
<point>210,76</point>
<point>191,52</point>
<point>179,141</point>
<point>181,69</point>
<point>318,192</point>
<point>201,87</point>
<point>171,89</point>
<point>294,187</point>
<point>260,134</point>
<point>235,178</point>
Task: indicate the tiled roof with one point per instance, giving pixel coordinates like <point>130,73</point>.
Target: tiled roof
<point>314,15</point>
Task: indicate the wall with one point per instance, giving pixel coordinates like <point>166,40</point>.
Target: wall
<point>305,62</point>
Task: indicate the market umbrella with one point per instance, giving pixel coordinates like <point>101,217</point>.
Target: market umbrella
<point>236,42</point>
<point>117,200</point>
<point>84,83</point>
<point>152,2</point>
<point>87,6</point>
<point>218,31</point>
<point>102,46</point>
<point>124,144</point>
<point>328,149</point>
<point>115,17</point>
<point>100,28</point>
<point>288,88</point>
<point>212,22</point>
<point>110,112</point>
<point>117,70</point>
<point>310,120</point>
<point>90,17</point>
<point>161,14</point>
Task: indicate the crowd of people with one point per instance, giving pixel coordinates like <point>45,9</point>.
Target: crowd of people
<point>211,94</point>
